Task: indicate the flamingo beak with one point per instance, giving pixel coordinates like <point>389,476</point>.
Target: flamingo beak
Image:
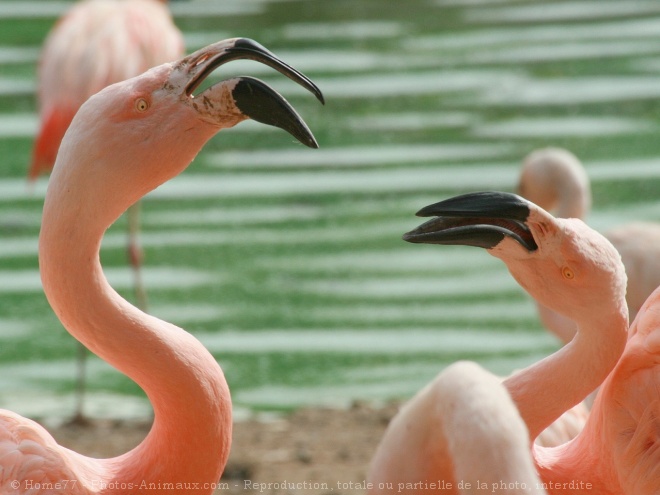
<point>253,98</point>
<point>481,219</point>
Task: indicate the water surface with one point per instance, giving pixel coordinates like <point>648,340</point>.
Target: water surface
<point>288,262</point>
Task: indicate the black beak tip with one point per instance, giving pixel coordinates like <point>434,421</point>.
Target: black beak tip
<point>259,102</point>
<point>424,212</point>
<point>307,138</point>
<point>261,53</point>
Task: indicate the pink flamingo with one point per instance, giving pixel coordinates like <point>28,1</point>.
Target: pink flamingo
<point>554,179</point>
<point>123,142</point>
<point>564,265</point>
<point>97,43</point>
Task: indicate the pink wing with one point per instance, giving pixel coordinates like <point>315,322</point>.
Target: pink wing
<point>97,43</point>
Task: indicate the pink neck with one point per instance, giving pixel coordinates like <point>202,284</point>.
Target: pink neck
<point>190,438</point>
<point>555,384</point>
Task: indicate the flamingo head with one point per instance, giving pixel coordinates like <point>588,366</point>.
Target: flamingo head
<point>234,100</point>
<point>562,263</point>
<point>139,133</point>
<point>166,93</point>
<point>555,179</point>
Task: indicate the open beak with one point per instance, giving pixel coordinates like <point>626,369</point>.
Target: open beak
<point>253,98</point>
<point>481,219</point>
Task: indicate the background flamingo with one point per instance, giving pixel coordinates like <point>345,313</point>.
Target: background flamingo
<point>563,264</point>
<point>555,179</point>
<point>97,43</point>
<point>124,142</point>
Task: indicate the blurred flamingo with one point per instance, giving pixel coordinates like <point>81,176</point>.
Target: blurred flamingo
<point>564,265</point>
<point>122,143</point>
<point>555,179</point>
<point>97,43</point>
<point>476,410</point>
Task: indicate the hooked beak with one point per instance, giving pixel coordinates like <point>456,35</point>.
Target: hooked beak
<point>253,98</point>
<point>480,219</point>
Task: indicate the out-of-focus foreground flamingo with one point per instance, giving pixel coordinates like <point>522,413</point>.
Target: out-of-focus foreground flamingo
<point>97,43</point>
<point>477,410</point>
<point>564,265</point>
<point>125,141</point>
<point>554,179</point>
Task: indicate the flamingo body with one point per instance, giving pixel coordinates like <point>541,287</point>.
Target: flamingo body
<point>30,457</point>
<point>122,143</point>
<point>618,451</point>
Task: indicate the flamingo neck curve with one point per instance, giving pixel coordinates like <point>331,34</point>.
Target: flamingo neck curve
<point>548,388</point>
<point>190,438</point>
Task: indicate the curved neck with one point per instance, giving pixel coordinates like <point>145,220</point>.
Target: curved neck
<point>190,438</point>
<point>548,388</point>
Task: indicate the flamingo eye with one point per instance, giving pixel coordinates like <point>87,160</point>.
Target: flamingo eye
<point>141,105</point>
<point>567,273</point>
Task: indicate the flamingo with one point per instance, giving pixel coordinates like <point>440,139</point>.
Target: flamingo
<point>554,179</point>
<point>564,265</point>
<point>97,43</point>
<point>123,142</point>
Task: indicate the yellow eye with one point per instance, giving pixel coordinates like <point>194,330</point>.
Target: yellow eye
<point>567,273</point>
<point>141,105</point>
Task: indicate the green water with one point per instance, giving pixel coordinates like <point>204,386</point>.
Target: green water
<point>287,262</point>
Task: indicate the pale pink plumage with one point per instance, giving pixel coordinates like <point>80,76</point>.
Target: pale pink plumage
<point>97,43</point>
<point>123,142</point>
<point>574,271</point>
<point>487,439</point>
